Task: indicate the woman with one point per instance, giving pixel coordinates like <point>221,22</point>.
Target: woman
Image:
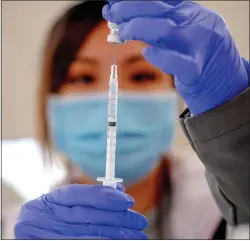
<point>76,71</point>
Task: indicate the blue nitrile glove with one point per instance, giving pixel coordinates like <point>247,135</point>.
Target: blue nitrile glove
<point>188,41</point>
<point>81,212</point>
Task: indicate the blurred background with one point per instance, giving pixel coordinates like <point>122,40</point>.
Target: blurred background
<point>24,27</point>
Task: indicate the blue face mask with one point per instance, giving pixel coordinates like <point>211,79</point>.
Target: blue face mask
<point>145,128</point>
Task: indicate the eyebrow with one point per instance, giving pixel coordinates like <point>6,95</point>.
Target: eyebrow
<point>87,60</point>
<point>91,61</point>
<point>133,59</point>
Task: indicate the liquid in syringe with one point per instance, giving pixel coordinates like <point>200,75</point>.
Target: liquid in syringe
<point>109,179</point>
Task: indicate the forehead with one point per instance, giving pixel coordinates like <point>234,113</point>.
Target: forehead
<point>96,45</point>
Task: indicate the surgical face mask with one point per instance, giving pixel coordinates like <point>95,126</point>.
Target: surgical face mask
<point>145,131</point>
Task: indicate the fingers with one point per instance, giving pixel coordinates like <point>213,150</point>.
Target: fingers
<point>117,233</point>
<point>165,35</point>
<point>24,231</point>
<point>63,231</point>
<point>120,187</point>
<point>78,221</point>
<point>136,30</point>
<point>87,215</point>
<point>124,11</point>
<point>84,215</point>
<point>92,238</point>
<point>173,2</point>
<point>174,63</point>
<point>97,196</point>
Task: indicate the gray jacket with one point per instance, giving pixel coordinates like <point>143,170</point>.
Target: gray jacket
<point>221,139</point>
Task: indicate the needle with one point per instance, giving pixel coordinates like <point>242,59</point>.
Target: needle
<point>115,53</point>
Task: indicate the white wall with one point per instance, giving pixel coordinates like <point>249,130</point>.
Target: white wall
<point>24,25</point>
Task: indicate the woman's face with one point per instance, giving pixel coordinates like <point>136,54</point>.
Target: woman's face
<point>91,69</point>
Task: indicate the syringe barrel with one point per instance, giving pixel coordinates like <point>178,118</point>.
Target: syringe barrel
<point>112,116</point>
<point>113,95</point>
<point>111,148</point>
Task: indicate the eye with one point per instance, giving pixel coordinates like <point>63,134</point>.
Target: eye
<point>142,77</point>
<point>85,79</point>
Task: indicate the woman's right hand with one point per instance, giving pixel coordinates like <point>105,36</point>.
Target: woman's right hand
<point>81,212</point>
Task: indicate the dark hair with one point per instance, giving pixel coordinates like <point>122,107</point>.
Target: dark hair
<point>63,41</point>
<point>80,21</point>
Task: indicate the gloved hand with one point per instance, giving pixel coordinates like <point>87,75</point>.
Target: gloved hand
<point>188,41</point>
<point>81,212</point>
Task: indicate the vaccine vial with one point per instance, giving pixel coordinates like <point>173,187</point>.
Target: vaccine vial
<point>113,37</point>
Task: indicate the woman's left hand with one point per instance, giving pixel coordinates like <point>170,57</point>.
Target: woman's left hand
<point>188,41</point>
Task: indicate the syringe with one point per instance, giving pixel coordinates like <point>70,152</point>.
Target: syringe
<point>109,179</point>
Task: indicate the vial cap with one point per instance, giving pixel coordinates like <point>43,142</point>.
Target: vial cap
<point>114,39</point>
